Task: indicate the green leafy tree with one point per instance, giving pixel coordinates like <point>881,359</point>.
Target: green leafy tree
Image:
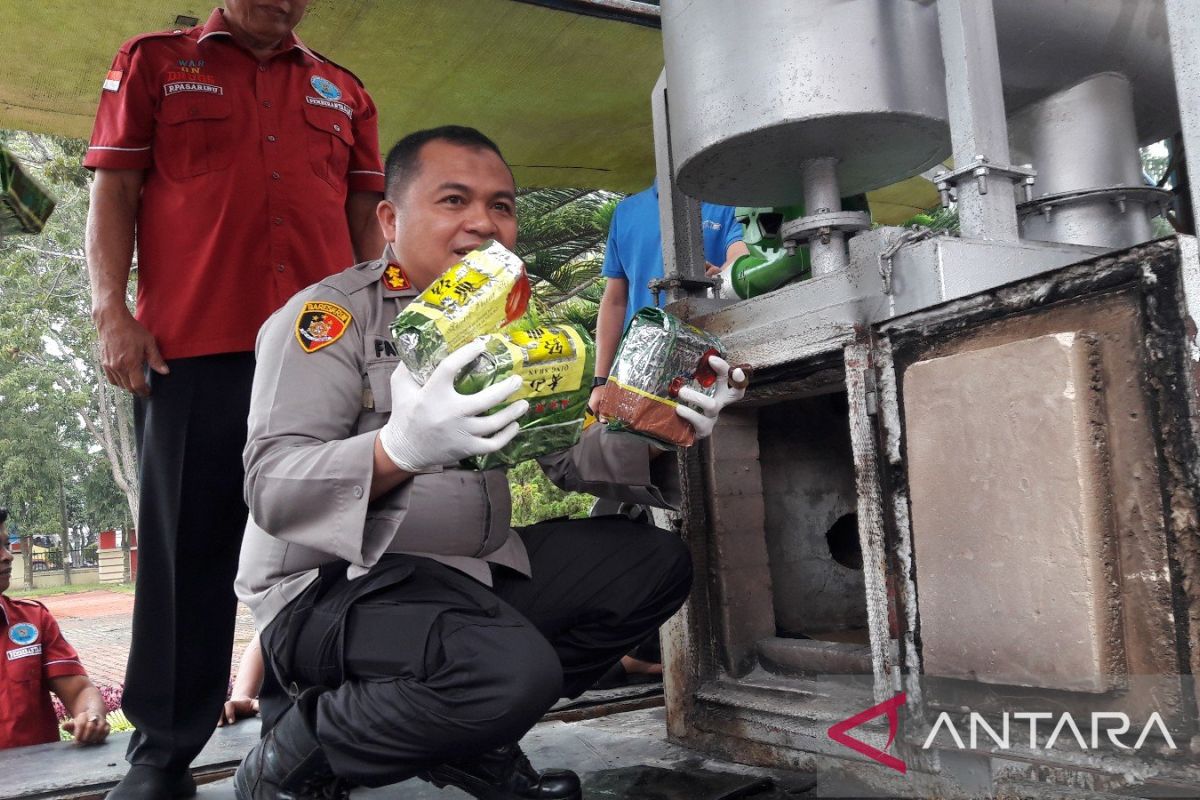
<point>562,244</point>
<point>60,420</point>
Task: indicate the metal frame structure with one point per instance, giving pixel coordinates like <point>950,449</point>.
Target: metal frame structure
<point>847,329</point>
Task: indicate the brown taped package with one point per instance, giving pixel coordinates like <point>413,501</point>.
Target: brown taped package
<point>659,355</point>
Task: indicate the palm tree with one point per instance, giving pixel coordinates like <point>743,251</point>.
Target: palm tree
<point>562,244</point>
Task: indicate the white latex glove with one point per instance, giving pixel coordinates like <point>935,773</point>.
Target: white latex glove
<point>705,419</point>
<point>433,425</point>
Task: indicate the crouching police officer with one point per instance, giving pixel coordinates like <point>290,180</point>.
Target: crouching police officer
<point>416,632</point>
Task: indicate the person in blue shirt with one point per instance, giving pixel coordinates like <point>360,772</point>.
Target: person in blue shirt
<point>633,258</point>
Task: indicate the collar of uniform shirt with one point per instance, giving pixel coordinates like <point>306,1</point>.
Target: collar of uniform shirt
<point>395,282</point>
<point>217,26</point>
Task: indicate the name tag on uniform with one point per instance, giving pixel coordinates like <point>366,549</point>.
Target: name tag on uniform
<point>25,652</point>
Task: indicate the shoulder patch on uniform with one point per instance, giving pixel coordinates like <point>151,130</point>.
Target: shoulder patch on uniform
<point>320,324</point>
<point>23,633</point>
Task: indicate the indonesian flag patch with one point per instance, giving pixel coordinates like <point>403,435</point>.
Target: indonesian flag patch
<point>395,279</point>
<point>320,324</point>
<point>113,82</point>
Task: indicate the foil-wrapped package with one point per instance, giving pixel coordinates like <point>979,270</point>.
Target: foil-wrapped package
<point>24,204</point>
<point>556,364</point>
<point>479,295</point>
<point>659,355</point>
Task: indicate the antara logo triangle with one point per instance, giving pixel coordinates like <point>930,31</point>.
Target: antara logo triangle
<point>839,732</point>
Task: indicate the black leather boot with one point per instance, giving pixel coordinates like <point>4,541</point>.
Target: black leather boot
<point>287,763</point>
<point>506,774</point>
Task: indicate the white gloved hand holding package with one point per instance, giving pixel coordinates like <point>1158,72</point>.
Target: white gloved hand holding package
<point>730,389</point>
<point>433,425</point>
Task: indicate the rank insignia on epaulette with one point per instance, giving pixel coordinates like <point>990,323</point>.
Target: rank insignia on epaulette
<point>395,279</point>
<point>320,324</point>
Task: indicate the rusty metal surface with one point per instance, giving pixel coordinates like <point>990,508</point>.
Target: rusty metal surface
<point>860,392</point>
<point>687,639</point>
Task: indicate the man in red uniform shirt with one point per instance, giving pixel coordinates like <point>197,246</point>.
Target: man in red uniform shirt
<point>37,661</point>
<point>248,167</point>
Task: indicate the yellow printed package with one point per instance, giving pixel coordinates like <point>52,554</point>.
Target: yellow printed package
<point>556,364</point>
<point>479,295</point>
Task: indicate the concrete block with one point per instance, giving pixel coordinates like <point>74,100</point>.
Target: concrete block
<point>746,613</point>
<point>736,476</point>
<point>734,442</point>
<point>738,417</point>
<point>1007,466</point>
<point>737,524</point>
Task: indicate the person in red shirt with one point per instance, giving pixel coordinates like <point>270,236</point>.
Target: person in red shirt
<point>37,661</point>
<point>244,166</point>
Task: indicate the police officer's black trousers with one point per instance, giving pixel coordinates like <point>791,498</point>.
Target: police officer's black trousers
<point>427,665</point>
<point>191,431</point>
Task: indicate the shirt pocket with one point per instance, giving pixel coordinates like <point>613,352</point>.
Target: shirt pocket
<point>377,390</point>
<point>25,670</point>
<point>195,135</point>
<point>330,138</point>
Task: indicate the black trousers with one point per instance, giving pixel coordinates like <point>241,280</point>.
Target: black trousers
<point>190,433</point>
<point>427,665</point>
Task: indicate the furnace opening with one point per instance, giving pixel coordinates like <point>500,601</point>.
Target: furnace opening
<point>811,526</point>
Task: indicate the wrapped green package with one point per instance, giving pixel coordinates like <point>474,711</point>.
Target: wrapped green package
<point>556,363</point>
<point>659,355</point>
<point>479,295</point>
<point>24,205</point>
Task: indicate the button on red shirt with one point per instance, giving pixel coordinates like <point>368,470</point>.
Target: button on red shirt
<point>195,110</point>
<point>34,653</point>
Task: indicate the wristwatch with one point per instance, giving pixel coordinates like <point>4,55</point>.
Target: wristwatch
<point>599,380</point>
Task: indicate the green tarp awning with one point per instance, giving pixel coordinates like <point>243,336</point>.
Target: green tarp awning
<point>565,94</point>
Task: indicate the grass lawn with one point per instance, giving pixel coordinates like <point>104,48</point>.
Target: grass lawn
<point>74,588</point>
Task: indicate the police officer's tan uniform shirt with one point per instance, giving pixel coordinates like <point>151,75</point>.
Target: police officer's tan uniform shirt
<point>321,391</point>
